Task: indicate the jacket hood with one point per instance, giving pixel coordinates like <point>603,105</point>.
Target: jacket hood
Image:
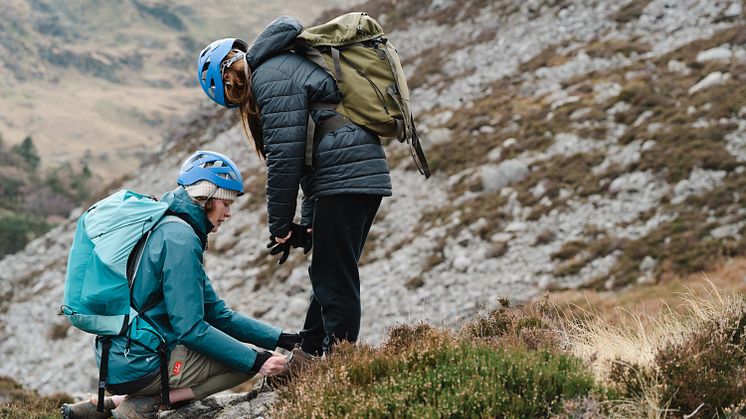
<point>184,207</point>
<point>277,37</point>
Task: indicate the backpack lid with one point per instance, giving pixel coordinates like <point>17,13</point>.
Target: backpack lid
<point>116,223</point>
<point>342,30</point>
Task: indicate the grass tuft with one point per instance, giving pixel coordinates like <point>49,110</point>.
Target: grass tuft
<point>673,363</point>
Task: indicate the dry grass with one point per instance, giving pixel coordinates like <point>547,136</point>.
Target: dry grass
<point>632,11</point>
<point>548,57</point>
<point>610,48</point>
<point>632,350</point>
<point>19,403</point>
<point>650,300</point>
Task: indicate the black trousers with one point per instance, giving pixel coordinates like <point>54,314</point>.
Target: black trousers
<point>340,228</point>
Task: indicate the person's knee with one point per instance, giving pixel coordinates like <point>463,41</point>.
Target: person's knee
<point>347,303</point>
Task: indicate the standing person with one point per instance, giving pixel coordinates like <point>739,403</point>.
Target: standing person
<point>275,92</point>
<point>205,338</point>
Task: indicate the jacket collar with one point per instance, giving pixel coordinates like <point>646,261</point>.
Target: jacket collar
<point>183,206</point>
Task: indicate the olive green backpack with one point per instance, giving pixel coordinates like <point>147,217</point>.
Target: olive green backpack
<point>364,63</point>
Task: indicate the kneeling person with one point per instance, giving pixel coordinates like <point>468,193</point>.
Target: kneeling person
<point>204,336</point>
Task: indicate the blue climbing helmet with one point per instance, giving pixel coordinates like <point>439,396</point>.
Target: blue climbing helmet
<point>210,67</point>
<point>212,167</point>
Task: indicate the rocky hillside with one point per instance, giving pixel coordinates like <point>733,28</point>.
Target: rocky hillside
<point>575,144</point>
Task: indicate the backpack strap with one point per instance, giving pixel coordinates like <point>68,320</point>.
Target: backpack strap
<point>103,371</point>
<point>416,148</point>
<point>405,129</point>
<point>315,132</point>
<point>133,264</point>
<point>337,65</point>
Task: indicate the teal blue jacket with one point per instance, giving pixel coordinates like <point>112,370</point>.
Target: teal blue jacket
<point>187,310</point>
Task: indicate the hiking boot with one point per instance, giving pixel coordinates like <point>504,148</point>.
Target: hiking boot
<point>297,361</point>
<point>87,410</point>
<point>137,407</point>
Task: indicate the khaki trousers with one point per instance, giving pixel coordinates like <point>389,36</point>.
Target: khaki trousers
<point>190,369</point>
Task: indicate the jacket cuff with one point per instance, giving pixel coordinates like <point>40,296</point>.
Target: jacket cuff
<point>261,358</point>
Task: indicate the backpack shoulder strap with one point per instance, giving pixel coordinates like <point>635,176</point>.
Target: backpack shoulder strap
<point>136,255</point>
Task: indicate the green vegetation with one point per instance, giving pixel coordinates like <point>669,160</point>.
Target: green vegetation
<point>538,360</point>
<point>31,200</point>
<point>17,230</point>
<point>27,151</point>
<point>19,403</point>
<point>503,365</point>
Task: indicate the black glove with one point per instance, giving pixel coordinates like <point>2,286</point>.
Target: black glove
<point>300,238</point>
<point>288,341</point>
<point>277,248</point>
<point>305,239</point>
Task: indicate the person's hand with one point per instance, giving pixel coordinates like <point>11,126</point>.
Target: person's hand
<point>306,239</point>
<point>276,247</point>
<point>298,236</point>
<point>273,365</point>
<point>283,240</point>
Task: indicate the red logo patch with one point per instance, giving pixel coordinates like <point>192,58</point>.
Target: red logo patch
<point>177,368</point>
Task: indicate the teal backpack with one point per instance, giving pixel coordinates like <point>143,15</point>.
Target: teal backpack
<point>101,269</point>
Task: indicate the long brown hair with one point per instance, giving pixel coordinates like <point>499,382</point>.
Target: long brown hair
<point>237,81</point>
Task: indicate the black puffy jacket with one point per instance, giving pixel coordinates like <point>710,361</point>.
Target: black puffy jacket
<point>347,160</point>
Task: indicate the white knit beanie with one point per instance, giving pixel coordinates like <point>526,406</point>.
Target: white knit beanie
<point>207,189</point>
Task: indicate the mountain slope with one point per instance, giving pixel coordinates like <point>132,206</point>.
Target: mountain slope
<point>99,82</point>
<point>575,145</point>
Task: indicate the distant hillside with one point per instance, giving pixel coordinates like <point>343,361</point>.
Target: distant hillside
<point>576,145</point>
<point>97,83</point>
<point>32,199</point>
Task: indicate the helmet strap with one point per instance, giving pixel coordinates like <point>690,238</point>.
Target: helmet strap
<point>238,55</point>
<point>246,71</point>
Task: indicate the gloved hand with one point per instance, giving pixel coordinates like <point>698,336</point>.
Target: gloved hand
<point>277,248</point>
<point>305,238</point>
<point>299,237</point>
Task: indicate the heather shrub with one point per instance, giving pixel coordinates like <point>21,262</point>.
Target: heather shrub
<point>708,368</point>
<point>488,369</point>
<point>532,326</point>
